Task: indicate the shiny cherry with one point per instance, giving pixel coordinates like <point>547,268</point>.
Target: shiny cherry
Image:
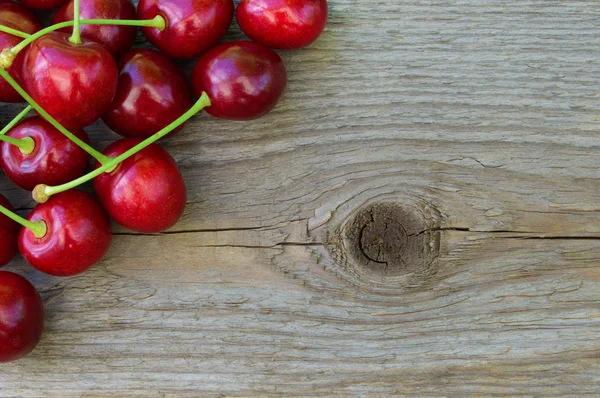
<point>15,16</point>
<point>21,317</point>
<point>9,231</point>
<point>244,80</point>
<point>146,192</point>
<point>55,159</point>
<point>78,234</point>
<point>74,83</point>
<point>116,39</point>
<point>152,93</point>
<point>42,4</point>
<point>282,24</point>
<point>193,26</point>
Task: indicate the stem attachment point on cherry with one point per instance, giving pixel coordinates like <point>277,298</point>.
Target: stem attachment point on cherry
<point>38,228</point>
<point>76,36</point>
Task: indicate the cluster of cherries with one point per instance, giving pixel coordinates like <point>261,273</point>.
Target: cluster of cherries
<point>69,75</point>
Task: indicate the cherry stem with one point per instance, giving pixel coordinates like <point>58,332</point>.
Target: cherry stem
<point>26,145</point>
<point>42,192</point>
<point>76,36</point>
<point>16,120</point>
<point>38,228</point>
<point>9,54</point>
<point>14,32</point>
<point>94,153</point>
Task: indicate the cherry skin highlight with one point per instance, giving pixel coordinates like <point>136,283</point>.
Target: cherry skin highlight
<point>145,193</point>
<point>152,93</point>
<point>244,80</point>
<point>193,26</point>
<point>282,24</point>
<point>55,159</point>
<point>9,232</point>
<point>116,39</point>
<point>17,17</point>
<point>74,83</point>
<point>42,5</point>
<point>78,234</point>
<point>21,317</point>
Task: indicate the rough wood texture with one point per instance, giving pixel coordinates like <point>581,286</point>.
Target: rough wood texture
<point>478,118</point>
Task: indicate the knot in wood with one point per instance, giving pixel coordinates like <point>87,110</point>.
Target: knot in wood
<point>389,239</point>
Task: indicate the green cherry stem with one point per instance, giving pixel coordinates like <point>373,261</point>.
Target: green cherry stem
<point>16,120</point>
<point>26,145</point>
<point>38,228</point>
<point>42,192</point>
<point>76,36</point>
<point>8,54</point>
<point>14,32</point>
<point>94,153</point>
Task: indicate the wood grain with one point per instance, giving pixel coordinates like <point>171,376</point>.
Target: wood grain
<point>481,117</point>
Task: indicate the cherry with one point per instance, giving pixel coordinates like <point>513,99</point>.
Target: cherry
<point>9,231</point>
<point>74,83</point>
<point>192,26</point>
<point>55,158</point>
<point>116,39</point>
<point>145,193</point>
<point>152,93</point>
<point>282,24</point>
<point>21,317</point>
<point>77,234</point>
<point>17,17</point>
<point>244,80</point>
<point>42,4</point>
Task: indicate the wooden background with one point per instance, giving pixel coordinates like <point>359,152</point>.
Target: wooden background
<point>471,126</point>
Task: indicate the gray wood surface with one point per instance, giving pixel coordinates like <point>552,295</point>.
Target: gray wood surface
<point>467,131</point>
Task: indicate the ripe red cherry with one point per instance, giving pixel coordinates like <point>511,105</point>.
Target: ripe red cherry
<point>15,16</point>
<point>116,39</point>
<point>152,93</point>
<point>77,237</point>
<point>146,192</point>
<point>244,80</point>
<point>192,26</point>
<point>74,83</point>
<point>21,317</point>
<point>42,4</point>
<point>282,24</point>
<point>9,231</point>
<point>55,160</point>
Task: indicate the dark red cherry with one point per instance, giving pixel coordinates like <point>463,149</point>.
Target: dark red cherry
<point>9,231</point>
<point>152,93</point>
<point>193,26</point>
<point>74,83</point>
<point>244,80</point>
<point>21,317</point>
<point>282,24</point>
<point>77,237</point>
<point>42,4</point>
<point>55,159</point>
<point>146,192</point>
<point>15,16</point>
<point>116,39</point>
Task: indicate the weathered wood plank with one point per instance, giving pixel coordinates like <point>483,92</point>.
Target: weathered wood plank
<point>479,117</point>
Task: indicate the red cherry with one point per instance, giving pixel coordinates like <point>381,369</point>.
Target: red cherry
<point>192,26</point>
<point>21,317</point>
<point>282,24</point>
<point>42,4</point>
<point>146,192</point>
<point>116,39</point>
<point>152,93</point>
<point>244,80</point>
<point>77,237</point>
<point>9,231</point>
<point>15,16</point>
<point>74,83</point>
<point>55,160</point>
